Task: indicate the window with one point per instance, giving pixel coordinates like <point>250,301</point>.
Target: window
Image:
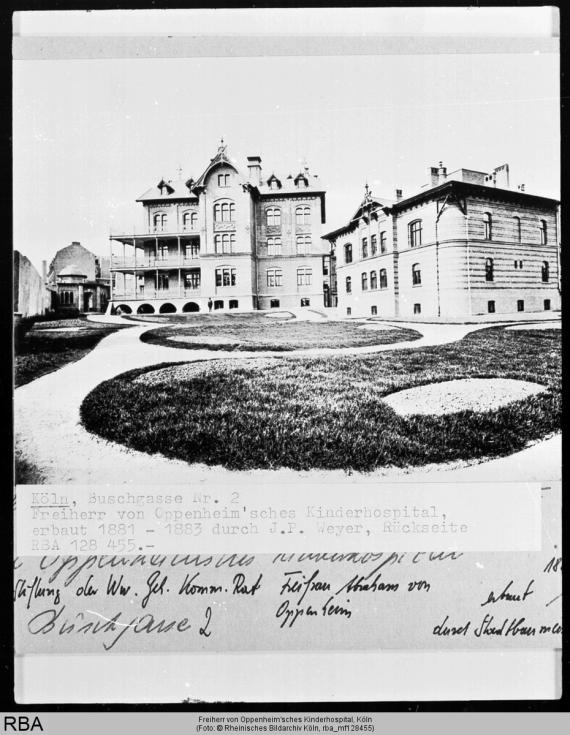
<point>192,280</point>
<point>348,284</point>
<point>545,271</point>
<point>189,220</point>
<point>273,246</point>
<point>67,298</point>
<point>140,284</point>
<point>304,276</point>
<point>543,232</point>
<point>416,275</point>
<point>223,179</point>
<point>274,277</point>
<point>417,308</point>
<point>491,307</point>
<point>325,266</point>
<point>488,226</point>
<point>274,304</point>
<point>225,243</point>
<point>159,222</point>
<point>192,250</point>
<point>273,217</point>
<point>233,304</point>
<point>546,304</point>
<point>373,245</point>
<point>489,270</point>
<point>162,282</point>
<point>225,276</point>
<point>348,253</point>
<point>373,280</point>
<point>384,278</point>
<point>374,310</point>
<point>364,279</point>
<point>218,304</point>
<point>305,302</point>
<point>224,212</point>
<point>520,305</point>
<point>518,231</point>
<point>162,251</point>
<point>303,216</point>
<point>348,310</point>
<point>303,244</point>
<point>364,247</point>
<point>415,233</point>
<point>383,242</point>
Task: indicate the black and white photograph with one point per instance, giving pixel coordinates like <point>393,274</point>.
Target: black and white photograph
<point>287,318</point>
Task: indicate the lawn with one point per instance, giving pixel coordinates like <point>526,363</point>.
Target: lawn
<point>43,348</point>
<point>327,412</point>
<point>255,332</point>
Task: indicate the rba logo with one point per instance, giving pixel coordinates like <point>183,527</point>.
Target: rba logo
<point>22,723</point>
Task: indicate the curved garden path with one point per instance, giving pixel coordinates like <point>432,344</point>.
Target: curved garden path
<point>48,433</point>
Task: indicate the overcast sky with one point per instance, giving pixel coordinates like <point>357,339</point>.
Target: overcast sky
<point>92,135</point>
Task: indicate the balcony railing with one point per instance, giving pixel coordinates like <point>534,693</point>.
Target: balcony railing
<point>153,293</point>
<point>117,261</point>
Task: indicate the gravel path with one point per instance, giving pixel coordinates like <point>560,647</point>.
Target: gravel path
<point>49,436</point>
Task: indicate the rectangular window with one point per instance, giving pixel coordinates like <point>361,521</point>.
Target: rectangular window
<point>223,179</point>
<point>348,310</point>
<point>373,245</point>
<point>305,302</point>
<point>274,277</point>
<point>417,308</point>
<point>192,280</point>
<point>218,304</point>
<point>225,276</point>
<point>364,247</point>
<point>348,253</point>
<point>520,305</point>
<point>383,242</point>
<point>162,282</point>
<point>192,250</point>
<point>233,304</point>
<point>546,304</point>
<point>274,303</point>
<point>491,307</point>
<point>304,276</point>
<point>374,310</point>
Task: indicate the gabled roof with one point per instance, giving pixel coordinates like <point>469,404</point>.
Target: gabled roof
<point>221,158</point>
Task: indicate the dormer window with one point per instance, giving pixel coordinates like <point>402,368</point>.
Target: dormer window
<point>223,180</point>
<point>301,181</point>
<point>273,182</point>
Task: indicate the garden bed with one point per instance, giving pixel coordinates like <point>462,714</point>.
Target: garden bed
<point>329,413</point>
<point>256,333</point>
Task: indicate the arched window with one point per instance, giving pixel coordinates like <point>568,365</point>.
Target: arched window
<point>415,233</point>
<point>543,232</point>
<point>545,271</point>
<point>489,270</point>
<point>364,247</point>
<point>488,226</point>
<point>159,222</point>
<point>224,243</point>
<point>224,211</point>
<point>348,284</point>
<point>416,275</point>
<point>383,242</point>
<point>273,246</point>
<point>373,280</point>
<point>383,278</point>
<point>189,220</point>
<point>373,245</point>
<point>303,244</point>
<point>348,253</point>
<point>273,217</point>
<point>364,279</point>
<point>303,216</point>
<point>518,230</point>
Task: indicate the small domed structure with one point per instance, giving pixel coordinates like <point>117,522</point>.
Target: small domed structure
<point>71,271</point>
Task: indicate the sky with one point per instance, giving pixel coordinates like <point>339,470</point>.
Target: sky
<point>91,135</point>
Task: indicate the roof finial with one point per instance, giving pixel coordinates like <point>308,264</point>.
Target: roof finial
<point>222,147</point>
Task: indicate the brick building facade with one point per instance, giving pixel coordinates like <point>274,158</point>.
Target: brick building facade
<point>465,246</point>
<point>228,240</point>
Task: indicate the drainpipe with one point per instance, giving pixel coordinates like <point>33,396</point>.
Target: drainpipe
<point>468,261</point>
<point>437,265</point>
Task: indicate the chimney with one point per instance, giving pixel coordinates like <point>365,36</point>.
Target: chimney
<point>254,169</point>
<point>399,194</point>
<point>75,243</point>
<point>521,187</point>
<point>501,176</point>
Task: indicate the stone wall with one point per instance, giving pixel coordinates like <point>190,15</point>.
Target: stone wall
<point>30,295</point>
